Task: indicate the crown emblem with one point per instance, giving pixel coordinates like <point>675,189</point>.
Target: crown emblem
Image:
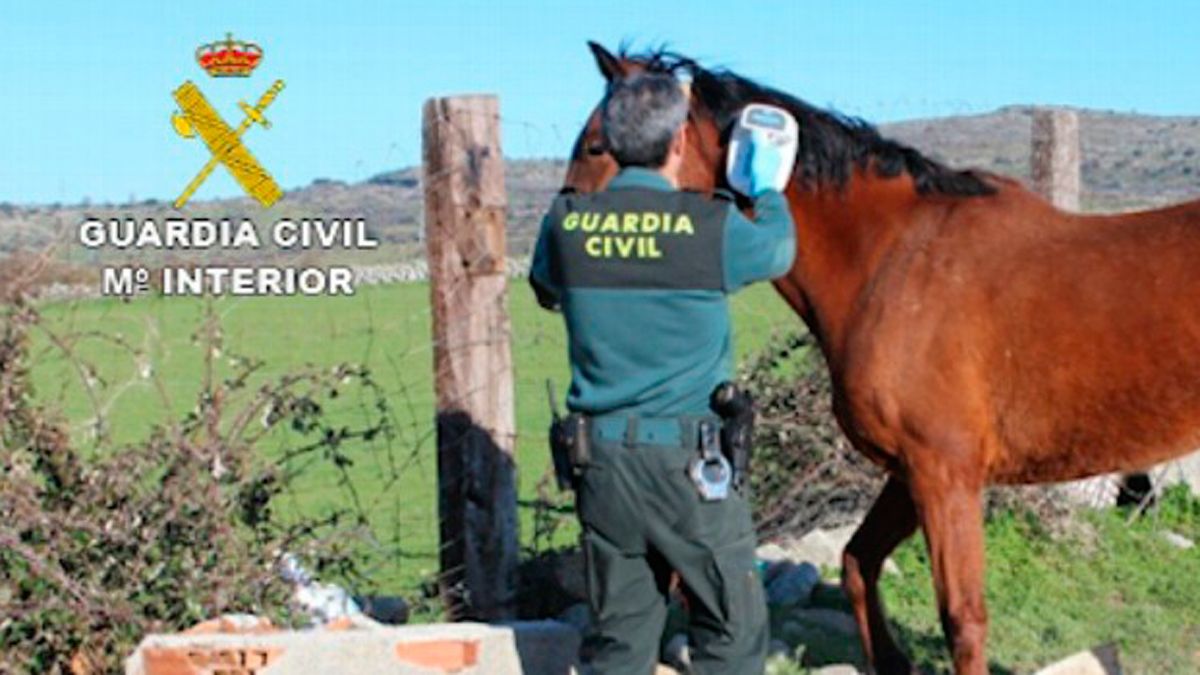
<point>229,57</point>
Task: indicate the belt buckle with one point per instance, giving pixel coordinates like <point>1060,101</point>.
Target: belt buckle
<point>631,429</point>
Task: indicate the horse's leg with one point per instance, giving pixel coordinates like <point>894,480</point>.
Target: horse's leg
<point>891,520</point>
<point>951,514</point>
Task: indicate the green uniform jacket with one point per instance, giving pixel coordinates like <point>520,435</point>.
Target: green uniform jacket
<point>642,273</point>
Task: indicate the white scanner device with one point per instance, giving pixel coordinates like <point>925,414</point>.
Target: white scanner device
<point>779,128</point>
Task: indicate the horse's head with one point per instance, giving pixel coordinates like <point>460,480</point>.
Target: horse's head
<point>832,148</point>
<point>852,190</point>
<point>591,164</point>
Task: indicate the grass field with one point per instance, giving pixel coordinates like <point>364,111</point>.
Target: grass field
<point>384,327</point>
<point>1104,580</point>
<point>1048,597</point>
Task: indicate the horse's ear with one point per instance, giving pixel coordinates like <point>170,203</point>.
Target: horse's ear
<point>609,65</point>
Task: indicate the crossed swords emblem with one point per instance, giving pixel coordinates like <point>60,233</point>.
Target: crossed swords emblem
<point>197,117</point>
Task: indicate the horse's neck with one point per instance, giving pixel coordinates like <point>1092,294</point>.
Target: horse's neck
<point>842,238</point>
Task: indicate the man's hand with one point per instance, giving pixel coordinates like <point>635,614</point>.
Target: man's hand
<point>764,163</point>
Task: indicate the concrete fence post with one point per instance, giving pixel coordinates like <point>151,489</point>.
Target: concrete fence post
<point>1055,157</point>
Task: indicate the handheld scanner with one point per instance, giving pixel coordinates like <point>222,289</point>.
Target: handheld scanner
<point>780,129</point>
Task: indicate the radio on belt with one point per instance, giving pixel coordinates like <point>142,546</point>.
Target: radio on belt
<point>779,128</point>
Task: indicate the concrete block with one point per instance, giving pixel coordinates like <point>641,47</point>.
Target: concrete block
<point>523,648</point>
<point>1184,470</point>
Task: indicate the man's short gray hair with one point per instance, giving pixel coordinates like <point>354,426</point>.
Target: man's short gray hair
<point>641,115</point>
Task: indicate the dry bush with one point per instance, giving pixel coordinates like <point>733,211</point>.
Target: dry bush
<point>804,473</point>
<point>30,272</point>
<point>95,552</point>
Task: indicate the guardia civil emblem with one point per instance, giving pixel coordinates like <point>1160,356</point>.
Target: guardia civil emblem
<point>228,58</point>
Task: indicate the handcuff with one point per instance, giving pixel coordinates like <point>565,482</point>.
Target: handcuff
<point>710,472</point>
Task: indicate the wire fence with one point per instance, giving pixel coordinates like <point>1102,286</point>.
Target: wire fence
<point>118,368</point>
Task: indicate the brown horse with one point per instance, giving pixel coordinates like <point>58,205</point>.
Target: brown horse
<point>974,333</point>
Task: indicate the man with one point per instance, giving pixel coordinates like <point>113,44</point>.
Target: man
<point>641,272</point>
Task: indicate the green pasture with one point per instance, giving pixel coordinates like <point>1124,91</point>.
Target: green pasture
<point>385,327</point>
<point>1107,579</point>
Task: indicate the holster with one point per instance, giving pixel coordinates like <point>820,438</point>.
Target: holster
<point>735,407</point>
<point>570,448</point>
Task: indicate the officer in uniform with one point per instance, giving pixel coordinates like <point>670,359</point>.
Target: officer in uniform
<point>641,273</point>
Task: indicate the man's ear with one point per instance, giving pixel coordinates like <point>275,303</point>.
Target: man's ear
<point>679,143</point>
<point>609,65</point>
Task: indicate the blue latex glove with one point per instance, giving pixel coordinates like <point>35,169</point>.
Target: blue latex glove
<point>764,163</point>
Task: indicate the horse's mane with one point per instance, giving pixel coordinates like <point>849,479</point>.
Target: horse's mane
<point>831,145</point>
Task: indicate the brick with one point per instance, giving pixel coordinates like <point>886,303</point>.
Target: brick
<point>447,655</point>
<point>207,661</point>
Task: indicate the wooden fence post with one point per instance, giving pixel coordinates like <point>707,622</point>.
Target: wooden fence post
<point>465,241</point>
<point>1055,156</point>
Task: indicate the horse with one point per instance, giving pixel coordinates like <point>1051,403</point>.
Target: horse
<point>974,334</point>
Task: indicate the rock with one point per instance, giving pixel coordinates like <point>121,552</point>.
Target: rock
<point>771,552</point>
<point>1178,540</point>
<point>544,647</point>
<point>772,559</point>
<point>792,585</point>
<point>386,609</point>
<point>816,626</point>
<point>1094,492</point>
<point>830,595</point>
<point>772,571</point>
<point>1100,660</point>
<point>839,669</point>
<point>568,573</point>
<point>676,653</point>
<point>577,616</point>
<point>822,548</point>
<point>830,620</point>
<point>233,623</point>
<point>778,648</point>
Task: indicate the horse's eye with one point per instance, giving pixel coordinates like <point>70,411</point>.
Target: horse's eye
<point>596,148</point>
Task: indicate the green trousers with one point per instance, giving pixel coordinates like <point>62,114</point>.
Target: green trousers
<point>642,519</point>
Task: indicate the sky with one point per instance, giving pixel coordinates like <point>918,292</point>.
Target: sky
<point>86,103</point>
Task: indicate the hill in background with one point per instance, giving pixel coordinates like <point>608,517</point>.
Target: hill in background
<point>1129,161</point>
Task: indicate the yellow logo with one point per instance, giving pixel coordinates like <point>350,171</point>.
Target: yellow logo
<point>630,234</point>
<point>196,116</point>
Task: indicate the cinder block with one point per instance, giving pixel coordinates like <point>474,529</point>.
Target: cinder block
<point>523,648</point>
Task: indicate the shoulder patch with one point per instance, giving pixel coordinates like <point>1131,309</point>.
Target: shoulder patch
<point>633,238</point>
